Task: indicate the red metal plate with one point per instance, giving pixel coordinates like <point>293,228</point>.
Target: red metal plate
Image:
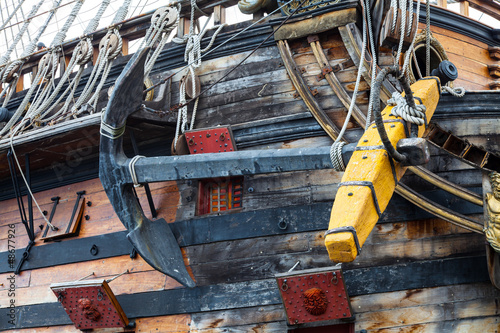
<point>315,297</point>
<point>214,140</point>
<point>89,307</point>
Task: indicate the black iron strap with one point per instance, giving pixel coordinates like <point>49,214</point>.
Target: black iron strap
<point>368,184</point>
<point>350,229</point>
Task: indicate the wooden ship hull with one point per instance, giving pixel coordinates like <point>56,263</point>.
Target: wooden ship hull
<point>423,268</point>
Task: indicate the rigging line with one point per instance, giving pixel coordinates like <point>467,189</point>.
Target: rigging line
<point>4,32</point>
<point>248,56</point>
<point>7,7</point>
<point>48,11</point>
<point>11,15</point>
<point>217,47</point>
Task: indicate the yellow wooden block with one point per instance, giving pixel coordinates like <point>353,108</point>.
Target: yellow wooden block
<point>369,179</point>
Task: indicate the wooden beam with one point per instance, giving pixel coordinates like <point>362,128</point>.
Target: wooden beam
<point>219,14</point>
<point>125,46</point>
<point>442,3</point>
<point>464,8</point>
<point>20,84</point>
<point>489,7</point>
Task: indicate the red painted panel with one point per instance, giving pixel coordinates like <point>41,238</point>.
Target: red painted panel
<point>213,140</point>
<point>315,297</point>
<point>89,307</point>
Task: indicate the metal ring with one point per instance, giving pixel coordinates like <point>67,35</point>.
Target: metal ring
<point>100,295</point>
<point>94,250</point>
<point>335,278</point>
<point>284,286</point>
<point>282,224</point>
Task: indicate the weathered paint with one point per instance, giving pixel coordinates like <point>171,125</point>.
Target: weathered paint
<point>354,205</point>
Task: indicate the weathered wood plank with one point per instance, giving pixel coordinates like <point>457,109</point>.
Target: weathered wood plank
<point>428,313</point>
<point>236,317</point>
<point>475,325</point>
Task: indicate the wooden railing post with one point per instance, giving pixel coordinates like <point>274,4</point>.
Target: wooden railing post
<point>442,3</point>
<point>464,8</point>
<point>219,15</point>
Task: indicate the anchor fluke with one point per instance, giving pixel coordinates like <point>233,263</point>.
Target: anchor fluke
<point>153,240</point>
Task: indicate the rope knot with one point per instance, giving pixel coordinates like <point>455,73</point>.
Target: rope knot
<point>402,109</point>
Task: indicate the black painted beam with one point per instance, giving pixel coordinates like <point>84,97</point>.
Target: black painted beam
<point>416,275</point>
<point>208,229</point>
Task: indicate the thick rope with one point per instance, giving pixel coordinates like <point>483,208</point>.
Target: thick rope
<point>427,38</point>
<point>374,60</point>
<point>336,156</point>
<point>457,92</point>
<point>402,109</point>
<point>5,58</point>
<point>7,20</point>
<point>61,34</point>
<point>356,87</point>
<point>31,47</point>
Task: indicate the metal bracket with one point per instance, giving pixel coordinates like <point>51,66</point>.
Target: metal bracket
<point>368,184</point>
<point>350,229</point>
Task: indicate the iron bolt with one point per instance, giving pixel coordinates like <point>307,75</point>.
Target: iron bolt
<point>250,189</point>
<point>89,203</point>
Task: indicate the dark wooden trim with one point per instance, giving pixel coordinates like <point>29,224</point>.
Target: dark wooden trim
<point>417,275</point>
<point>231,226</point>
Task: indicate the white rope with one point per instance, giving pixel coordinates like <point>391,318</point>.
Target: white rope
<point>94,22</point>
<point>457,92</point>
<point>5,58</point>
<point>61,34</point>
<point>356,87</point>
<point>402,4</point>
<point>7,20</point>
<point>336,156</point>
<point>374,61</point>
<point>409,52</point>
<point>403,110</point>
<point>121,14</point>
<point>31,47</point>
<point>131,168</point>
<point>109,131</point>
<point>427,38</point>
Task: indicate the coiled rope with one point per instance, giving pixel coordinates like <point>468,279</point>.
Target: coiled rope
<point>401,108</point>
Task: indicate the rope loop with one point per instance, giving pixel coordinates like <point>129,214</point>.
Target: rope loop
<point>131,168</point>
<point>109,131</point>
<point>394,71</point>
<point>402,109</point>
<point>457,92</point>
<point>336,155</point>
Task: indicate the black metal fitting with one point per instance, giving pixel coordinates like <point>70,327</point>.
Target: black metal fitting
<point>446,72</point>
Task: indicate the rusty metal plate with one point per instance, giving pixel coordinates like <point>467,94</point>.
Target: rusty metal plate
<point>213,140</point>
<point>314,297</point>
<point>90,305</point>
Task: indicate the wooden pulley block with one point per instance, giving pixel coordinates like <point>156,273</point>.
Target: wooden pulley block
<point>390,39</point>
<point>82,53</point>
<point>12,73</point>
<point>112,44</point>
<point>46,61</point>
<point>181,148</point>
<point>170,14</point>
<point>189,85</point>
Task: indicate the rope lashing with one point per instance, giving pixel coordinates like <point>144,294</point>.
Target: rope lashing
<point>131,168</point>
<point>394,71</point>
<point>111,132</point>
<point>457,92</point>
<point>402,109</point>
<point>336,155</point>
